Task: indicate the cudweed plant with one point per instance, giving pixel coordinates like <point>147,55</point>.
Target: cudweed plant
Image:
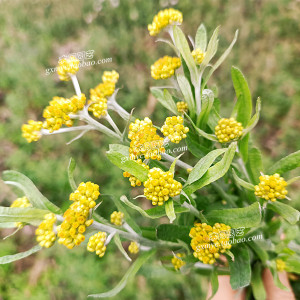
<point>221,193</point>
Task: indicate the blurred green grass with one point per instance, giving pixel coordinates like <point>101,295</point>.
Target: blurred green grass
<point>35,33</point>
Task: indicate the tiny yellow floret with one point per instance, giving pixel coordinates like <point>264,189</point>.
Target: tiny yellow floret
<point>228,130</point>
<point>164,18</point>
<point>209,241</point>
<point>271,187</point>
<point>117,218</point>
<point>110,76</point>
<point>32,131</point>
<point>134,248</point>
<point>280,265</point>
<point>97,243</point>
<point>45,234</point>
<point>165,67</point>
<point>174,129</point>
<point>198,56</point>
<point>182,107</point>
<point>21,202</point>
<point>66,67</point>
<point>160,186</point>
<point>177,261</point>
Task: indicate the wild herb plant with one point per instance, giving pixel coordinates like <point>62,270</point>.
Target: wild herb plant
<point>227,214</point>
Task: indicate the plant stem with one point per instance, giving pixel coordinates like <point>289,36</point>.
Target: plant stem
<point>179,163</point>
<point>76,85</point>
<point>63,130</point>
<point>113,124</point>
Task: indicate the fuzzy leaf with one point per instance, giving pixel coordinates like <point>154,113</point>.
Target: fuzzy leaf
<point>215,172</point>
<point>10,258</point>
<point>203,165</point>
<point>165,99</point>
<point>214,283</point>
<point>134,268</point>
<point>118,243</point>
<point>29,189</point>
<point>287,212</point>
<point>207,105</point>
<point>172,233</point>
<point>29,215</point>
<point>254,120</point>
<point>170,212</point>
<point>128,165</point>
<point>186,91</point>
<point>243,183</point>
<point>257,283</point>
<point>247,217</point>
<point>201,38</point>
<point>71,169</point>
<point>240,268</point>
<point>244,102</point>
<point>287,163</point>
<point>119,148</point>
<point>254,165</point>
<point>182,45</point>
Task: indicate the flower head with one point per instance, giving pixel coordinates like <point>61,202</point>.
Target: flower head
<point>97,243</point>
<point>165,67</point>
<point>271,187</point>
<point>228,130</point>
<point>21,202</point>
<point>133,180</point>
<point>164,18</point>
<point>32,131</point>
<point>160,186</point>
<point>144,140</point>
<point>110,76</point>
<point>177,262</point>
<point>174,129</point>
<point>198,56</point>
<point>45,235</point>
<point>182,107</point>
<point>67,66</point>
<point>58,110</point>
<point>208,242</point>
<point>280,265</point>
<point>98,106</point>
<point>117,218</point>
<point>134,248</point>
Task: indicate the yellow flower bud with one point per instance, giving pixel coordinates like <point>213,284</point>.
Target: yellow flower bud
<point>133,248</point>
<point>67,66</point>
<point>32,131</point>
<point>174,129</point>
<point>177,262</point>
<point>117,218</point>
<point>97,243</point>
<point>228,130</point>
<point>165,67</point>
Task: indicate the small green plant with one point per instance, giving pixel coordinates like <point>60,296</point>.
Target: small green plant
<point>222,206</point>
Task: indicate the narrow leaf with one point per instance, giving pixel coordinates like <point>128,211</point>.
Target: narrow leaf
<point>207,105</point>
<point>29,189</point>
<point>287,163</point>
<point>118,243</point>
<point>287,212</point>
<point>172,167</point>
<point>201,38</point>
<point>214,283</point>
<point>254,165</point>
<point>186,91</point>
<point>257,283</point>
<point>165,99</point>
<point>254,120</point>
<point>203,165</point>
<point>134,268</point>
<point>247,217</point>
<point>71,169</point>
<point>215,172</point>
<point>240,268</point>
<point>243,183</point>
<point>10,258</point>
<point>170,212</point>
<point>172,233</point>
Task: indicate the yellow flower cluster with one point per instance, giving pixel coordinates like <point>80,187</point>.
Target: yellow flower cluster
<point>45,235</point>
<point>97,243</point>
<point>165,67</point>
<point>71,230</point>
<point>228,130</point>
<point>57,113</point>
<point>271,187</point>
<point>174,129</point>
<point>117,218</point>
<point>98,95</point>
<point>280,265</point>
<point>164,18</point>
<point>32,131</point>
<point>22,203</point>
<point>67,66</point>
<point>208,242</point>
<point>177,261</point>
<point>182,107</point>
<point>133,180</point>
<point>144,140</point>
<point>198,56</point>
<point>134,248</point>
<point>160,186</point>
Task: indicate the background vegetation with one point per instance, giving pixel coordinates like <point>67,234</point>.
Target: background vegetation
<point>35,33</point>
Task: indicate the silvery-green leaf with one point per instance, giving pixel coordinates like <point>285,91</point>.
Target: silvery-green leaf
<point>10,258</point>
<point>286,211</point>
<point>170,44</point>
<point>207,104</point>
<point>242,183</point>
<point>170,212</point>
<point>186,91</point>
<point>165,98</point>
<point>118,243</point>
<point>201,38</point>
<point>254,120</point>
<point>71,169</point>
<point>286,164</point>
